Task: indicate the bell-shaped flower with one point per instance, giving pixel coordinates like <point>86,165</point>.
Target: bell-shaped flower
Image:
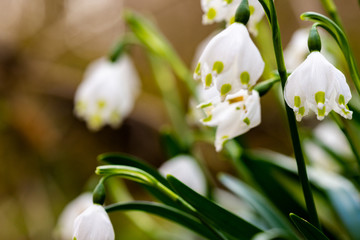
<point>93,224</point>
<point>235,116</point>
<point>186,169</point>
<point>230,61</point>
<point>317,85</point>
<point>64,229</point>
<point>224,10</point>
<point>107,93</point>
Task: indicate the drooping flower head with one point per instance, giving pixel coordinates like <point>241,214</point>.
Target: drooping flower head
<point>230,61</point>
<point>235,116</point>
<point>317,85</point>
<point>107,93</point>
<point>93,224</point>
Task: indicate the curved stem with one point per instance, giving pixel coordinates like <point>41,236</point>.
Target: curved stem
<point>300,161</point>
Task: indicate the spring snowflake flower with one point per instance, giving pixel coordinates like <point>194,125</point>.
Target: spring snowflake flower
<point>64,228</point>
<point>224,10</point>
<point>108,92</point>
<point>93,224</point>
<point>235,116</point>
<point>230,61</point>
<point>186,169</point>
<point>317,85</point>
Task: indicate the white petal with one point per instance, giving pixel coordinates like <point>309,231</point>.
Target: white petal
<point>93,224</point>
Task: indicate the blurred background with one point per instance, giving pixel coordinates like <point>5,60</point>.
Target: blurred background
<point>47,155</point>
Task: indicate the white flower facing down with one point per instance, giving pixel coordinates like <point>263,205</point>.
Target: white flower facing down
<point>93,224</point>
<point>64,228</point>
<point>224,10</point>
<point>108,92</point>
<point>317,85</point>
<point>230,61</point>
<point>185,168</point>
<point>235,116</point>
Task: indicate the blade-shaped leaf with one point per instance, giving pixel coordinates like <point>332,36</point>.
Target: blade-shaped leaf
<point>222,219</point>
<point>309,231</point>
<point>265,208</point>
<point>167,212</point>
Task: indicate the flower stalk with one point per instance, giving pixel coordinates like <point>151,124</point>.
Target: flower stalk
<point>270,11</point>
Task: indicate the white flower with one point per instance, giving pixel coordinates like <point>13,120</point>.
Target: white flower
<point>64,228</point>
<point>186,169</point>
<point>230,61</point>
<point>108,92</point>
<point>93,224</point>
<point>235,116</point>
<point>319,86</point>
<point>224,10</point>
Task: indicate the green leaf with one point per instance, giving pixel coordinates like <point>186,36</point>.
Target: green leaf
<point>265,208</point>
<point>309,231</point>
<point>131,161</point>
<point>217,216</point>
<point>167,212</point>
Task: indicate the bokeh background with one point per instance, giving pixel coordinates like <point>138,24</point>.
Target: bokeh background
<point>47,156</point>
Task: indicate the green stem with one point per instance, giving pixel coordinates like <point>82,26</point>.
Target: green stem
<point>309,200</point>
<point>346,133</point>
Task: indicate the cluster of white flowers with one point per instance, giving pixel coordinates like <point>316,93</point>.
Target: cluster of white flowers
<point>229,67</point>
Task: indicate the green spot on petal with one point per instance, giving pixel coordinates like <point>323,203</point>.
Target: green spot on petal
<point>320,97</point>
<point>211,14</point>
<point>95,122</point>
<point>197,69</point>
<point>218,67</point>
<point>232,20</point>
<point>252,9</point>
<point>207,119</point>
<point>225,137</point>
<point>101,104</point>
<point>206,105</point>
<point>297,101</point>
<point>225,88</point>
<point>228,1</point>
<point>238,108</point>
<point>247,121</point>
<point>341,99</point>
<point>321,112</point>
<point>245,78</point>
<point>302,111</point>
<point>208,80</point>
